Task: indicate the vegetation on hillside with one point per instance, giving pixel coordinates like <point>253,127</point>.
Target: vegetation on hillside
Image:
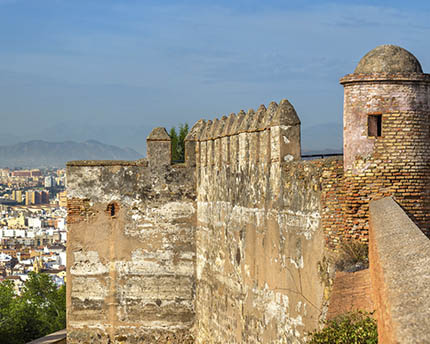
<point>38,311</point>
<point>178,142</point>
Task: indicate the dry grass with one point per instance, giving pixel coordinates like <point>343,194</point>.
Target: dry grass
<point>352,256</point>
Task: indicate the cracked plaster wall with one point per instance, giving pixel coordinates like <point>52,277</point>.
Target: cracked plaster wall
<point>130,272</point>
<point>248,273</point>
<point>259,239</point>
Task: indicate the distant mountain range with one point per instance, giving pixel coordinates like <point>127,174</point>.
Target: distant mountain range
<point>38,153</point>
<point>316,139</point>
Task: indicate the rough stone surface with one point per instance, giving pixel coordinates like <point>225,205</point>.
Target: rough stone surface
<point>388,59</point>
<point>159,134</point>
<point>131,253</point>
<point>400,272</point>
<point>159,149</point>
<point>139,271</point>
<point>259,237</point>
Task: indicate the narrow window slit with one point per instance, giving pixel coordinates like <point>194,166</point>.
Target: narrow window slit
<point>374,125</point>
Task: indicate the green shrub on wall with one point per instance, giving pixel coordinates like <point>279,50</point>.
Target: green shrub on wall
<point>350,328</point>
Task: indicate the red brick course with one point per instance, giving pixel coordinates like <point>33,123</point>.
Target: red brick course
<point>77,210</point>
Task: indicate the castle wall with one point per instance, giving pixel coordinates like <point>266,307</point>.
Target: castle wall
<point>131,253</point>
<point>259,239</point>
<point>253,270</point>
<point>394,164</point>
<point>230,247</point>
<point>398,255</point>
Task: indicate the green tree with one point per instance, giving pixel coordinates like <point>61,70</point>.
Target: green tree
<point>178,142</point>
<point>8,307</point>
<point>38,311</point>
<point>48,300</point>
<point>174,143</point>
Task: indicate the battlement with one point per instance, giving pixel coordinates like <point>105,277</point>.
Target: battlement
<point>267,135</point>
<point>264,118</point>
<point>159,150</point>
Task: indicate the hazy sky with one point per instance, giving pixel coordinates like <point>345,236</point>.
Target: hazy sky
<point>111,70</point>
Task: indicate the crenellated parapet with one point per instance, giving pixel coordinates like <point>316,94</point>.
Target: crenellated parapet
<point>268,135</point>
<point>257,228</point>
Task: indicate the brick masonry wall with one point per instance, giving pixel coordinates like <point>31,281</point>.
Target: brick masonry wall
<point>332,200</point>
<point>259,237</point>
<point>131,253</point>
<point>394,164</point>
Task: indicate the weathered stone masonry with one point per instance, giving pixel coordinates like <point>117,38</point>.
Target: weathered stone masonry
<point>258,242</point>
<point>248,273</point>
<point>131,253</point>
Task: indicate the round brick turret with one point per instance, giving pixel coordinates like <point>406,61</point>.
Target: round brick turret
<point>386,136</point>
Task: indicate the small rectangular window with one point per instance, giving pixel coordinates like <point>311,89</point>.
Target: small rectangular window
<point>374,125</point>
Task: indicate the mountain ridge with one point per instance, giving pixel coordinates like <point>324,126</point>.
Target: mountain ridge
<point>41,153</point>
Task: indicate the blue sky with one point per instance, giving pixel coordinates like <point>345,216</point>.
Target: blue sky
<point>112,70</point>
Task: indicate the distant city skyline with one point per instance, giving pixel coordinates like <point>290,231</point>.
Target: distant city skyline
<point>110,70</point>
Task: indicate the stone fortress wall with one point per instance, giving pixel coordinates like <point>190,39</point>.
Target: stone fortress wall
<point>217,249</point>
<point>231,246</point>
<point>131,252</point>
<point>258,240</point>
